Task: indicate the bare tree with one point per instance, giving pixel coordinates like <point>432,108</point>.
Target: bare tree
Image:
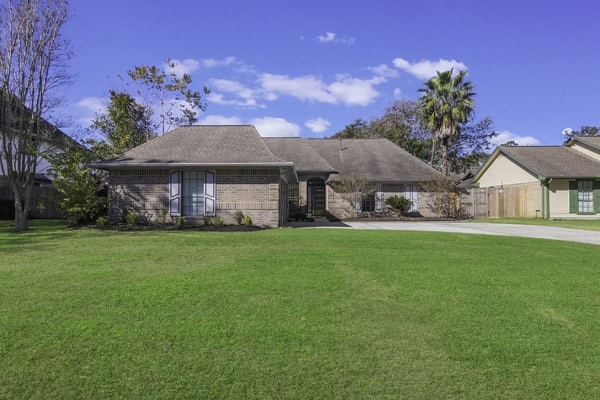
<point>354,189</point>
<point>33,61</point>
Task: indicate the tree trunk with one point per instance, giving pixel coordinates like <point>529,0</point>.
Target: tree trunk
<point>20,219</point>
<point>22,203</point>
<point>432,159</point>
<point>444,148</point>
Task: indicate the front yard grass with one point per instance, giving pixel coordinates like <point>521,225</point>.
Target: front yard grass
<point>592,225</point>
<point>292,313</point>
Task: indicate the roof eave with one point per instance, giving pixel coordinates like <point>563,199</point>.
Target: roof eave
<point>172,165</point>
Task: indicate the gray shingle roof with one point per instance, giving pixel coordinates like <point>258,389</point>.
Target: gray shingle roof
<point>592,141</point>
<point>300,152</point>
<point>201,145</point>
<point>553,161</point>
<point>378,159</point>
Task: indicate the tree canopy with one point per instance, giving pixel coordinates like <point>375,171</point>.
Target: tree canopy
<point>446,103</point>
<point>403,123</point>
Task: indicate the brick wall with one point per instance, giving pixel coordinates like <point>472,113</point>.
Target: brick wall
<point>143,191</point>
<point>253,191</point>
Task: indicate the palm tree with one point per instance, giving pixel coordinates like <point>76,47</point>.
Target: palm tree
<point>447,103</point>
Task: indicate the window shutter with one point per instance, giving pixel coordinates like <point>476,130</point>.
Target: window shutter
<point>175,193</point>
<point>379,199</point>
<point>209,193</point>
<point>573,198</point>
<point>597,196</point>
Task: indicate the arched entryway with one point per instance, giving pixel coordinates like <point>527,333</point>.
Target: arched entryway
<point>315,197</point>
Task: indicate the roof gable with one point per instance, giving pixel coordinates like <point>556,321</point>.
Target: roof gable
<point>201,145</point>
<point>590,141</point>
<point>547,161</point>
<point>300,152</point>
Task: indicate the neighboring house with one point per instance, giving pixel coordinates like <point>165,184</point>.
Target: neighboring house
<point>203,171</point>
<point>545,181</point>
<point>43,204</point>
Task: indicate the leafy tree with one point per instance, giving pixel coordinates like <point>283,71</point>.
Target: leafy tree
<point>510,143</point>
<point>177,104</point>
<point>447,102</point>
<point>583,131</point>
<point>126,123</point>
<point>82,196</point>
<point>359,129</point>
<point>33,58</point>
<point>472,146</point>
<point>402,123</point>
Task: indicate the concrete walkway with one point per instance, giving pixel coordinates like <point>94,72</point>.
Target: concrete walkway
<point>532,231</point>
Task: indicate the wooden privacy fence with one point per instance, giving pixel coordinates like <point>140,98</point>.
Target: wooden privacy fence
<point>509,201</point>
<point>43,202</point>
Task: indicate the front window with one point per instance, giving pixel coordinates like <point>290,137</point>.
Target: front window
<point>368,203</point>
<point>192,186</point>
<point>585,196</point>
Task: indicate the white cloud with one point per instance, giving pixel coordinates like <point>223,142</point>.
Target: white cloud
<point>353,91</point>
<point>212,63</point>
<point>275,127</point>
<point>220,120</point>
<point>506,136</point>
<point>350,91</point>
<point>397,93</point>
<point>303,88</point>
<point>266,126</point>
<point>384,70</point>
<point>425,69</point>
<point>180,68</point>
<point>91,106</point>
<point>330,37</point>
<point>245,97</point>
<point>317,125</point>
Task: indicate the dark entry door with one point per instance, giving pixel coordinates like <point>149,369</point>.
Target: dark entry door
<point>316,196</point>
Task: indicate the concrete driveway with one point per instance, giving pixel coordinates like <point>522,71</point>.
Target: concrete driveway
<point>532,231</point>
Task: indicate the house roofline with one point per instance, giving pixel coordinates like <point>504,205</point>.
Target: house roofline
<point>495,155</point>
<point>579,140</point>
<point>163,165</point>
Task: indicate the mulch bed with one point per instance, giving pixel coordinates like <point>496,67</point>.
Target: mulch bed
<point>172,227</point>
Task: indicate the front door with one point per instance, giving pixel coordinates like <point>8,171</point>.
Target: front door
<point>315,197</point>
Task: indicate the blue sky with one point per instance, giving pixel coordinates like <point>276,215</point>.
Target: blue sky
<point>309,68</point>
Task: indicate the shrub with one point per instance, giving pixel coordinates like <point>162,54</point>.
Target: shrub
<point>247,220</point>
<point>102,220</point>
<point>179,221</point>
<point>239,216</point>
<point>132,218</point>
<point>217,221</point>
<point>400,204</point>
<point>163,215</point>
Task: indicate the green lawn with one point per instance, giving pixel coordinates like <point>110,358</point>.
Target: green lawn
<point>290,313</point>
<point>592,225</point>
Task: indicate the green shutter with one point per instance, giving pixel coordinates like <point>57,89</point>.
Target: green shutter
<point>573,197</point>
<point>597,196</point>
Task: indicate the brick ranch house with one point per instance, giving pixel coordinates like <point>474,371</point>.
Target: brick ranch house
<point>203,171</point>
